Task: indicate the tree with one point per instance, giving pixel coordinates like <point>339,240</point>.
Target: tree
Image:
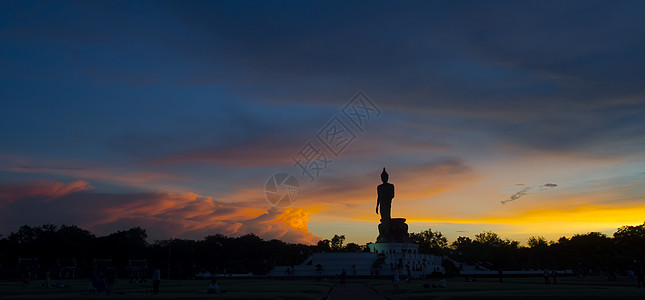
<point>540,255</point>
<point>631,232</point>
<point>589,250</point>
<point>492,239</point>
<point>465,249</point>
<point>122,246</point>
<point>337,243</point>
<point>431,242</point>
<point>492,248</point>
<point>324,245</point>
<point>537,242</point>
<point>631,240</point>
<point>462,243</point>
<point>26,235</point>
<point>353,247</point>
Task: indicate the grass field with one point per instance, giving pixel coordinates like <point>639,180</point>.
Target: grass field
<point>177,289</point>
<point>516,288</point>
<point>262,288</point>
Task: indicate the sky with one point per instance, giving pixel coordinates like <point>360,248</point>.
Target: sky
<point>523,118</point>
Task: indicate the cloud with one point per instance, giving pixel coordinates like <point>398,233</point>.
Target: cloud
<point>123,174</point>
<point>202,97</point>
<point>527,83</point>
<point>259,153</point>
<point>351,194</point>
<point>289,224</point>
<point>522,192</point>
<point>547,186</point>
<point>184,215</point>
<point>525,191</point>
<point>554,82</point>
<point>46,190</point>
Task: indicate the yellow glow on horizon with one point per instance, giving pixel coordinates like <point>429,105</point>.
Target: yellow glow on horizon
<point>544,221</point>
<point>518,225</point>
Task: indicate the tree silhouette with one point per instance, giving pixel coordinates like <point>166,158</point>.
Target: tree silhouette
<point>631,241</point>
<point>430,242</point>
<point>590,252</point>
<point>537,242</point>
<point>353,247</point>
<point>337,243</point>
<point>324,245</point>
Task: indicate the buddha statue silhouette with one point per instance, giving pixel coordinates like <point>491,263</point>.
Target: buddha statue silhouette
<point>391,230</point>
<point>385,192</point>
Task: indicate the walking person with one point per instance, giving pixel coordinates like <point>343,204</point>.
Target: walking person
<point>48,277</point>
<point>395,281</point>
<point>546,277</point>
<point>26,279</point>
<point>110,280</point>
<point>156,280</point>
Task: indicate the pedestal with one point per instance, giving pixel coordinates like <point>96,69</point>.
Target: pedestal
<point>396,251</point>
<point>395,231</point>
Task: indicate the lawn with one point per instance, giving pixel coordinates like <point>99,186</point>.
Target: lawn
<point>514,288</point>
<point>257,288</point>
<point>263,288</point>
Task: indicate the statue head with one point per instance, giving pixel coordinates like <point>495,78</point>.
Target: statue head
<point>384,176</point>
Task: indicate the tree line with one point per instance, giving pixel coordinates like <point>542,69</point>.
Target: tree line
<point>589,253</point>
<point>177,258</point>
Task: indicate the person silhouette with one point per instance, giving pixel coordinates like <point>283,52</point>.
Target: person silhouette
<point>385,192</point>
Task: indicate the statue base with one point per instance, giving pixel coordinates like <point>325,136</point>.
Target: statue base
<point>394,231</point>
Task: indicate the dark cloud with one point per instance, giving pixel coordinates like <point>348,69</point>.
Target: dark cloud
<point>464,52</point>
<point>545,75</point>
<point>522,192</point>
<point>525,191</point>
<point>556,77</point>
<point>260,153</point>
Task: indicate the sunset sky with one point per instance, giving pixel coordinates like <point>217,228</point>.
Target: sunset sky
<point>523,118</point>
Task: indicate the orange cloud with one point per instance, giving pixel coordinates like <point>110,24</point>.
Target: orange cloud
<point>289,224</point>
<point>46,189</point>
<point>183,215</point>
<point>195,216</point>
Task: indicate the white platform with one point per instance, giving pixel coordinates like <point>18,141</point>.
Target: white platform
<point>404,255</point>
<point>391,255</point>
<point>355,264</point>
